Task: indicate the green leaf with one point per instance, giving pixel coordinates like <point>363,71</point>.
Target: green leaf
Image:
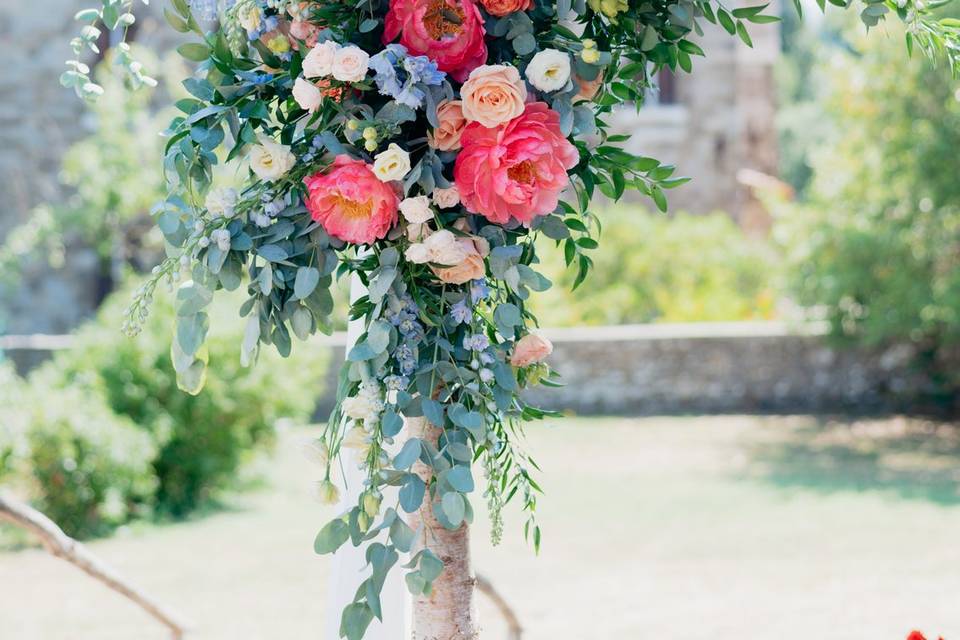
<point>430,565</point>
<point>356,618</point>
<point>460,479</point>
<point>332,536</point>
<point>401,535</point>
<point>390,423</point>
<point>305,282</point>
<point>192,331</point>
<point>453,507</point>
<point>726,21</point>
<point>433,411</point>
<point>411,493</point>
<point>408,454</point>
<point>194,51</point>
<point>368,25</point>
<point>742,32</point>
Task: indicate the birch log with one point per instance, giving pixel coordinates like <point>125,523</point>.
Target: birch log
<point>449,612</point>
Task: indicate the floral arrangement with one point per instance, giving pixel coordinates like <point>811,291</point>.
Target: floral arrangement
<point>422,146</point>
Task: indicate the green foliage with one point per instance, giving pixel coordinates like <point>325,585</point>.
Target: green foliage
<point>875,250</point>
<point>201,440</point>
<point>683,268</point>
<point>88,468</point>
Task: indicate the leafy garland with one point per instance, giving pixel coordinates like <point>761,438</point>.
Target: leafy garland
<point>335,152</point>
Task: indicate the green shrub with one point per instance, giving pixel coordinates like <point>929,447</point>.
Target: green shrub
<point>89,469</point>
<point>682,268</point>
<point>201,440</point>
<point>13,420</point>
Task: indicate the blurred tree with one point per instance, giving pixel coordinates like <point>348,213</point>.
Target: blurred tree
<point>875,249</point>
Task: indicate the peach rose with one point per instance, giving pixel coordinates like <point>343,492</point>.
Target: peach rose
<point>446,137</point>
<point>493,94</point>
<point>530,349</point>
<point>471,267</point>
<point>501,8</point>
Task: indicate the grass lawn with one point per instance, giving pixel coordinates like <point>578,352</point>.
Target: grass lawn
<point>676,528</point>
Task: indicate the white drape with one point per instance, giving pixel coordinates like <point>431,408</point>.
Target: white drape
<point>347,569</point>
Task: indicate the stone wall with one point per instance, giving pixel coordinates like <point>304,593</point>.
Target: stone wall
<point>741,367</point>
<point>711,368</point>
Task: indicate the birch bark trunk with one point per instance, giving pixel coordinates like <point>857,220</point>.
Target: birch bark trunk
<point>449,612</point>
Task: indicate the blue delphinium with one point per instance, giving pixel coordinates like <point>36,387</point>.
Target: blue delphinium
<point>460,312</point>
<point>204,10</point>
<point>479,291</point>
<point>402,76</point>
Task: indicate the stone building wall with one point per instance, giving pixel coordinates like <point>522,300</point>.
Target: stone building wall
<point>721,123</point>
<point>737,367</point>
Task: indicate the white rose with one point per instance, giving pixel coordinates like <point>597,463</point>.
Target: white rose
<point>439,248</point>
<point>549,70</point>
<point>319,62</point>
<point>307,95</point>
<point>446,198</point>
<point>392,163</point>
<point>270,159</point>
<point>350,64</point>
<point>416,210</point>
<point>356,407</point>
<point>221,202</point>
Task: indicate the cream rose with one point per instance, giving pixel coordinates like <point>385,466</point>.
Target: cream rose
<point>493,94</point>
<point>307,95</point>
<point>529,349</point>
<point>270,159</point>
<point>350,64</point>
<point>549,70</point>
<point>221,202</point>
<point>441,247</point>
<point>416,210</point>
<point>391,164</point>
<point>446,137</point>
<point>446,198</point>
<point>319,61</point>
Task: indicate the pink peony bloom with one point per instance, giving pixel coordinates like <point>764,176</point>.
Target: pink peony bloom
<point>350,202</point>
<point>530,349</point>
<point>448,31</point>
<point>517,169</point>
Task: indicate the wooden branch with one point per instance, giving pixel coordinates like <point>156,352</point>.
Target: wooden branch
<point>63,546</point>
<point>485,587</point>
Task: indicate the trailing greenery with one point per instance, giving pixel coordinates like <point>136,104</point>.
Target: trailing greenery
<point>682,268</point>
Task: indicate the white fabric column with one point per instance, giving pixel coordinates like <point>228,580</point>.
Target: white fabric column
<point>347,569</point>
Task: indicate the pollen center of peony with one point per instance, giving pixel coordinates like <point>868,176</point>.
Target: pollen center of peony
<point>353,209</point>
<point>522,172</point>
<point>441,19</point>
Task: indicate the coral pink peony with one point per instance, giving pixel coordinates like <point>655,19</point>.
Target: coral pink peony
<point>450,32</point>
<point>350,201</point>
<point>517,169</point>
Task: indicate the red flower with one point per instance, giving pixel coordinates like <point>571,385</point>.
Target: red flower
<point>449,32</point>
